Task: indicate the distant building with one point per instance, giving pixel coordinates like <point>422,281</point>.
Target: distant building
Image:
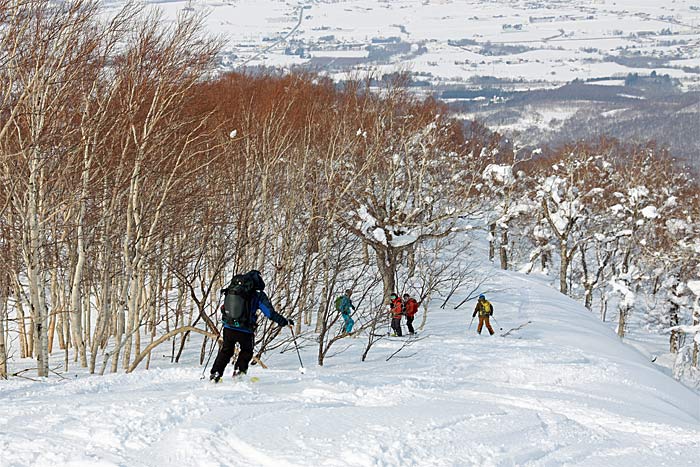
<point>386,40</point>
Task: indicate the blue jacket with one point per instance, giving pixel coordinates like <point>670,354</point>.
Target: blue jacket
<point>260,301</point>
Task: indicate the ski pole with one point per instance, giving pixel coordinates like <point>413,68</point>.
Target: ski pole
<point>470,323</point>
<point>301,368</point>
<point>494,320</point>
<point>212,345</point>
<point>208,358</point>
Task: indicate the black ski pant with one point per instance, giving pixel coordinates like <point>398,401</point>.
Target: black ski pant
<point>409,324</point>
<point>245,340</point>
<point>396,325</point>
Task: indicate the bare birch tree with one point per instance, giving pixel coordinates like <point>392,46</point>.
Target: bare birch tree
<point>51,43</point>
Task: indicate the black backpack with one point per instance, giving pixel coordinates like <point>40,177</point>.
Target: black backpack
<point>239,293</point>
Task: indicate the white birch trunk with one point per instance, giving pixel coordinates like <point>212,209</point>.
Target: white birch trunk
<point>129,262</point>
<point>104,313</point>
<point>75,296</point>
<point>3,347</point>
<point>25,337</point>
<point>32,253</point>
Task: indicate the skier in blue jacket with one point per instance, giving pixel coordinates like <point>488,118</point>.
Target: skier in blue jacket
<point>344,305</point>
<point>242,331</point>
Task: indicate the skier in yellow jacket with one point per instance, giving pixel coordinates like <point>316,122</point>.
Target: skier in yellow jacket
<point>485,310</point>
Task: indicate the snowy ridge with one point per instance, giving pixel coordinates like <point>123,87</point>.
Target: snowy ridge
<point>561,390</point>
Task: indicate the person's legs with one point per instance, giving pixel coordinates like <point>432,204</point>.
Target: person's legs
<point>488,324</point>
<point>409,324</point>
<point>246,341</point>
<point>349,323</point>
<point>225,352</point>
<point>481,324</point>
<point>396,326</point>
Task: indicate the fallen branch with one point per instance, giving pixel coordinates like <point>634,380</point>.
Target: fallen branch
<point>515,328</point>
<point>408,342</point>
<point>162,339</point>
<point>20,375</point>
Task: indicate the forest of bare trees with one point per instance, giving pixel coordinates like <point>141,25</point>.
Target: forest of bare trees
<point>136,181</point>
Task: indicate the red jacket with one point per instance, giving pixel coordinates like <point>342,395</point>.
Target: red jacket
<point>396,307</point>
<point>411,307</point>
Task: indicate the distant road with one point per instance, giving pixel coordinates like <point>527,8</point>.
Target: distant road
<point>558,38</point>
<point>280,40</point>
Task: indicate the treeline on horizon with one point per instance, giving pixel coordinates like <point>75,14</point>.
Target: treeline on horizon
<point>136,180</point>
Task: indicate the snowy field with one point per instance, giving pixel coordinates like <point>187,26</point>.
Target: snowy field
<point>451,41</point>
<point>561,390</point>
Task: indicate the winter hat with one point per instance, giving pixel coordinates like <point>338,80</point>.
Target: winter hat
<point>257,279</point>
<point>393,296</point>
<point>482,297</point>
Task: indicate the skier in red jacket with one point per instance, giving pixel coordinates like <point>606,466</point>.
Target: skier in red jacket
<point>410,306</point>
<point>396,309</point>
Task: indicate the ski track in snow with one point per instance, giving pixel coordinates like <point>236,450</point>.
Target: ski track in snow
<point>542,396</point>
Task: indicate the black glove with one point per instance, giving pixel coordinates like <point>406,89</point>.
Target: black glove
<point>491,314</point>
<point>474,314</point>
<point>290,322</point>
<point>285,322</point>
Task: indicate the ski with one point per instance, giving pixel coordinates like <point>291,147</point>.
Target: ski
<point>237,379</point>
<point>243,378</point>
<point>343,335</point>
<point>515,329</point>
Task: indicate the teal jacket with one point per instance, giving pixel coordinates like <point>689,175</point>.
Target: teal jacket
<point>345,305</point>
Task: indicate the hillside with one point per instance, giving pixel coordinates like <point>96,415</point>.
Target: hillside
<point>561,390</point>
<point>584,111</point>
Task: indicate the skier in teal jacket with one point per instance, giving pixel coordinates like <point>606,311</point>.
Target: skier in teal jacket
<point>344,305</point>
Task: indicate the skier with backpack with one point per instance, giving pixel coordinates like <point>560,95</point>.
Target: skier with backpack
<point>410,306</point>
<point>396,310</point>
<point>485,310</point>
<point>343,304</point>
<point>243,297</point>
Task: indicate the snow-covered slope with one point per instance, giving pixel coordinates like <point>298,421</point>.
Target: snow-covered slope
<point>562,390</point>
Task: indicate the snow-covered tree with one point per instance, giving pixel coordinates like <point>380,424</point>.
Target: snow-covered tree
<point>645,189</point>
<point>506,188</point>
<point>566,196</point>
<point>417,178</point>
<point>686,364</point>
